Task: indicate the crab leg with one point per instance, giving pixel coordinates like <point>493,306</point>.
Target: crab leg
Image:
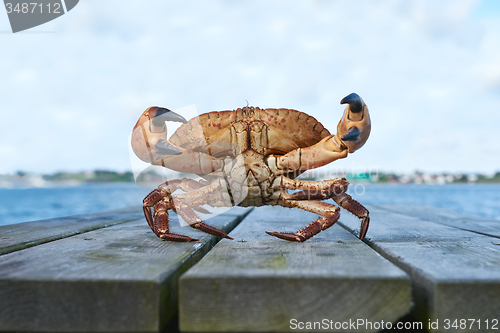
<point>165,190</point>
<point>188,185</point>
<point>162,225</point>
<point>194,221</point>
<point>162,198</point>
<point>326,189</point>
<point>159,223</point>
<point>345,201</point>
<point>184,184</point>
<point>330,214</point>
<point>149,201</point>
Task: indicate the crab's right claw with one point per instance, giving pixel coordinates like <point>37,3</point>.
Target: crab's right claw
<point>166,148</point>
<point>149,136</point>
<point>161,115</point>
<point>355,126</point>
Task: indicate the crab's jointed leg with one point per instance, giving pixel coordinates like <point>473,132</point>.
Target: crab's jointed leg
<point>345,201</point>
<point>330,215</point>
<point>327,189</point>
<point>163,200</point>
<point>161,225</point>
<point>166,189</point>
<point>194,221</point>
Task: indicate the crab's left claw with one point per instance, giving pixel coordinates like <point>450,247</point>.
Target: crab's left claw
<point>352,132</point>
<point>149,136</point>
<point>355,125</point>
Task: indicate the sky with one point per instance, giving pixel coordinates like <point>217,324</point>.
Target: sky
<point>71,90</point>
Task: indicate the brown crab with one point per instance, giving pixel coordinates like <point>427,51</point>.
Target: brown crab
<point>249,157</point>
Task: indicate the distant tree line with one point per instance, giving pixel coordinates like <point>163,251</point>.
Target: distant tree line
<point>92,176</point>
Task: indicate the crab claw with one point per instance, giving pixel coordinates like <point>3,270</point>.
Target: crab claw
<point>355,102</point>
<point>149,136</point>
<point>352,134</point>
<point>166,148</point>
<point>162,114</point>
<point>355,125</point>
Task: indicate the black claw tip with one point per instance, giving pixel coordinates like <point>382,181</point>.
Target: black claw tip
<point>166,148</point>
<point>163,114</point>
<point>354,101</point>
<point>351,135</point>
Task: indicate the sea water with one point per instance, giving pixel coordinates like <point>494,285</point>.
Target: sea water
<point>21,205</point>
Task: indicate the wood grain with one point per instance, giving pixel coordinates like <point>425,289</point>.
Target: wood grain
<point>19,236</point>
<point>455,273</point>
<point>260,283</point>
<point>467,222</point>
<point>121,278</point>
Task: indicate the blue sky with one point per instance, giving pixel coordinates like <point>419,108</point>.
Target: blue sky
<point>71,90</point>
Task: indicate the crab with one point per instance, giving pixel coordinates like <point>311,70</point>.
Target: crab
<point>249,157</point>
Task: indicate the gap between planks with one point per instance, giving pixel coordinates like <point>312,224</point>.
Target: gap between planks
<point>260,283</point>
<point>455,272</point>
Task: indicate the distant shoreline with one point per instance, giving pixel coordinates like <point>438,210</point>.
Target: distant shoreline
<point>22,180</point>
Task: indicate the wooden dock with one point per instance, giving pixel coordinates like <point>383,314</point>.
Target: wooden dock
<point>107,272</point>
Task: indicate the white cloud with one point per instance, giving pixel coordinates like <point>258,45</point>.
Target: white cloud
<point>428,70</point>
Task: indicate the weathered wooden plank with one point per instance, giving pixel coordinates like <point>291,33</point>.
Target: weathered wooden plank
<point>116,279</point>
<point>468,222</point>
<point>261,283</point>
<point>455,273</point>
<point>19,236</point>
